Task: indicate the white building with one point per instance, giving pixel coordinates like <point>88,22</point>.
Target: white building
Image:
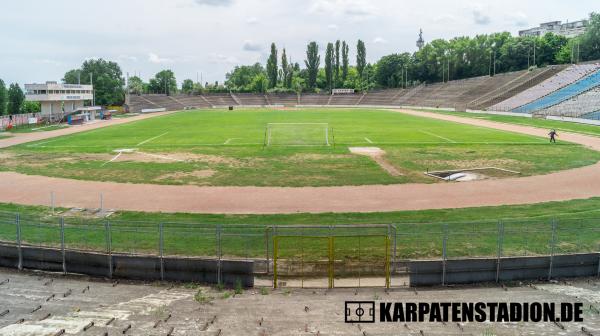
<point>569,29</point>
<point>57,98</point>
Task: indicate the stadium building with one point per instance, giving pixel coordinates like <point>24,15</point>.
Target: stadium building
<point>59,99</point>
<point>569,29</point>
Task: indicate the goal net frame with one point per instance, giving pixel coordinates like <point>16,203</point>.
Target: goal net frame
<point>268,141</point>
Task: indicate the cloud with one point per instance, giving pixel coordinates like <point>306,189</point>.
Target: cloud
<point>480,18</point>
<point>127,58</point>
<point>214,3</point>
<point>355,10</point>
<point>333,27</point>
<point>250,45</point>
<point>49,62</point>
<point>222,59</point>
<point>154,58</point>
<point>445,19</point>
<point>518,19</point>
<point>252,20</point>
<point>380,40</point>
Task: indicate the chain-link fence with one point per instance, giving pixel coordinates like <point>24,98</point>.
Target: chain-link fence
<point>355,244</point>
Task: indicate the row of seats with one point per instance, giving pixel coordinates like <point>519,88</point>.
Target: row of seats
<point>475,93</point>
<point>558,96</point>
<point>578,106</point>
<point>554,83</point>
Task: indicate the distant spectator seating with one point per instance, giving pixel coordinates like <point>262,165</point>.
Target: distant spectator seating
<point>285,99</point>
<point>572,103</point>
<point>220,99</point>
<point>251,99</point>
<point>314,99</point>
<point>558,81</point>
<point>345,99</point>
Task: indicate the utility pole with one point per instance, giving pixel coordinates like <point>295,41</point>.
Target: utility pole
<point>93,91</point>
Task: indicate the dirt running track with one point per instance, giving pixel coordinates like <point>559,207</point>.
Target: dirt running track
<point>577,183</point>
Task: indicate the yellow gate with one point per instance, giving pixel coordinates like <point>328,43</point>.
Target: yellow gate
<point>317,261</point>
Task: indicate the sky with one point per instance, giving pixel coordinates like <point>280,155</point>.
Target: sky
<point>40,40</point>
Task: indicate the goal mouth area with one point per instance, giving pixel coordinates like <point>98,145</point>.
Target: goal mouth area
<point>305,134</point>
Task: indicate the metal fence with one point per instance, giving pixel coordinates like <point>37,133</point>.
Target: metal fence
<point>408,241</point>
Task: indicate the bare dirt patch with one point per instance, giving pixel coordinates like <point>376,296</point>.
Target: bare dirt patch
<point>378,155</point>
<point>197,174</point>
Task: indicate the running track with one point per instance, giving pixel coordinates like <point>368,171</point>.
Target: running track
<point>571,184</point>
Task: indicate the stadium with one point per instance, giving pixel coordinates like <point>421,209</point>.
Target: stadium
<point>148,208</point>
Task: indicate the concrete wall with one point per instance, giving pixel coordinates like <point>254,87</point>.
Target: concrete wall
<point>129,266</point>
<point>467,271</point>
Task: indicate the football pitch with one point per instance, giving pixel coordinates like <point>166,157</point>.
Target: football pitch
<point>297,147</point>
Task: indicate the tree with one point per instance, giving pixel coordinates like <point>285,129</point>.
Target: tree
<point>241,79</point>
<point>3,97</point>
<point>272,69</point>
<point>345,60</point>
<point>590,40</point>
<point>336,65</point>
<point>329,65</point>
<point>390,70</point>
<point>361,57</point>
<point>136,85</point>
<point>285,69</point>
<point>107,79</point>
<point>15,99</point>
<point>260,83</point>
<point>187,86</point>
<point>31,107</point>
<point>163,82</point>
<point>312,62</point>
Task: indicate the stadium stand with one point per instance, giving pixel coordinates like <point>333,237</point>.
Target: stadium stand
<point>250,99</point>
<point>381,97</point>
<point>221,99</point>
<point>284,99</point>
<point>314,99</point>
<point>554,83</point>
<point>345,99</point>
<point>578,106</point>
<point>474,93</point>
<point>514,87</point>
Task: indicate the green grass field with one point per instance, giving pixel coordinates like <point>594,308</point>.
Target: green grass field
<point>218,147</point>
<point>536,122</point>
<point>35,128</point>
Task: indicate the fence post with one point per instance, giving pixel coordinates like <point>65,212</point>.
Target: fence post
<point>267,248</point>
<point>219,280</point>
<point>19,248</point>
<point>109,247</point>
<point>161,250</point>
<point>62,244</point>
<point>500,248</point>
<point>444,254</point>
<point>552,247</point>
<point>395,248</point>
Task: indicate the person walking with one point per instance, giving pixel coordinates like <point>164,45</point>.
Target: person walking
<point>553,136</point>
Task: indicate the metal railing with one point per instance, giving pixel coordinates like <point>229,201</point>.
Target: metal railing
<point>408,241</point>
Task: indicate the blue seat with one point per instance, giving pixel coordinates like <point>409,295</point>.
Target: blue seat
<point>558,96</point>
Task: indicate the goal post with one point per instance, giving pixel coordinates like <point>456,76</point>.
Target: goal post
<point>298,134</point>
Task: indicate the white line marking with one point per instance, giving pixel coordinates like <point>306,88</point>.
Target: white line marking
<point>368,140</point>
<point>437,136</point>
<point>161,157</point>
<point>156,137</point>
<point>113,159</point>
<point>229,140</point>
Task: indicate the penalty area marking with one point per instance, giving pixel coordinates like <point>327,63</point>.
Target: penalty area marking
<point>437,136</point>
<point>151,139</point>
<point>113,159</point>
<point>369,140</point>
<point>229,140</point>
